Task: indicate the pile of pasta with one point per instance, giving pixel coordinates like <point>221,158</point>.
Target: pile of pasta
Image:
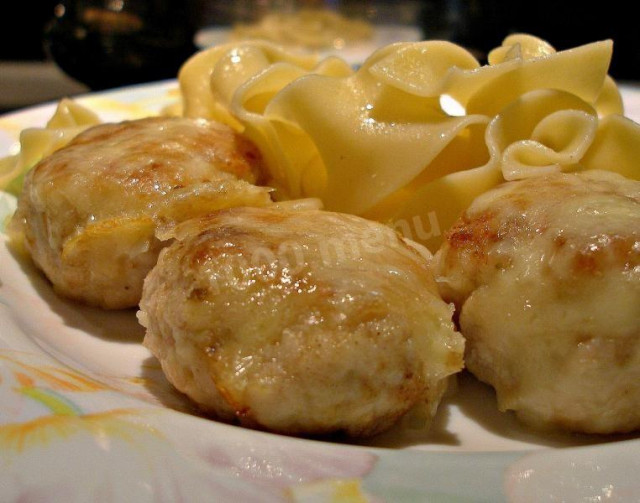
<point>420,129</point>
<point>411,137</point>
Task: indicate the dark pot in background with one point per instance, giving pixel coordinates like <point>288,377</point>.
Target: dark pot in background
<point>111,43</point>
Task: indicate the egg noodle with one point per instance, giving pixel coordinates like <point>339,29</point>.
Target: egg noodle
<point>380,141</point>
<point>68,120</point>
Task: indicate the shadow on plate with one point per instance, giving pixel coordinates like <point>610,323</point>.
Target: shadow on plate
<point>404,434</point>
<point>471,398</point>
<point>477,401</point>
<point>162,390</point>
<point>157,385</point>
<point>113,326</point>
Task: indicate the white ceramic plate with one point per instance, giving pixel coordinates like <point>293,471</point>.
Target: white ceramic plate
<point>86,414</point>
<point>353,53</point>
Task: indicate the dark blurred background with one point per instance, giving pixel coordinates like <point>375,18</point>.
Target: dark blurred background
<point>157,35</point>
<point>482,24</point>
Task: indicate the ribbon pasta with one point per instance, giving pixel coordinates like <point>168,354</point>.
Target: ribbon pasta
<point>540,132</point>
<point>209,79</point>
<point>378,142</point>
<point>68,120</point>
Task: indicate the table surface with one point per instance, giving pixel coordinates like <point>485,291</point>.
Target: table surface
<point>25,83</point>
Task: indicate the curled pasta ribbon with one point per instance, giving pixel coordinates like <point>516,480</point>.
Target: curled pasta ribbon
<point>520,46</point>
<point>557,144</point>
<point>209,79</point>
<point>377,141</point>
<point>70,114</point>
<point>616,147</point>
<point>550,130</point>
<point>525,63</point>
<point>540,132</point>
<point>609,101</point>
<point>329,130</point>
<point>287,150</point>
<point>68,120</point>
<point>422,68</point>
